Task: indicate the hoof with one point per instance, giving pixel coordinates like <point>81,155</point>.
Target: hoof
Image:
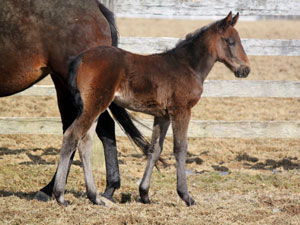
<point>109,197</point>
<point>41,196</point>
<point>144,196</point>
<point>106,202</point>
<point>191,202</point>
<point>61,200</point>
<point>145,200</point>
<point>64,203</point>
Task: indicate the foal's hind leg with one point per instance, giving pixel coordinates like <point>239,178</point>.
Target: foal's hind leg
<point>71,138</point>
<point>85,147</point>
<point>160,128</point>
<point>180,126</point>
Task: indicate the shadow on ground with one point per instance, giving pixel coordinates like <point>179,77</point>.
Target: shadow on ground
<point>249,162</point>
<point>19,194</point>
<point>35,158</point>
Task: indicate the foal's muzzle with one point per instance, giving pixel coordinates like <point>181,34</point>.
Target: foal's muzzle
<point>242,71</point>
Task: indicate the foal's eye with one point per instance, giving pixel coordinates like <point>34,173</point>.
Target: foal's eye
<point>230,41</point>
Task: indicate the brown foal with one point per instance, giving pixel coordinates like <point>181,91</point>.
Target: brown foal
<point>165,85</point>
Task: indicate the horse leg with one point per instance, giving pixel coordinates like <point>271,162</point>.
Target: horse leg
<point>68,114</point>
<point>71,138</point>
<point>106,135</point>
<point>160,127</point>
<point>106,132</point>
<point>180,126</point>
<point>85,147</point>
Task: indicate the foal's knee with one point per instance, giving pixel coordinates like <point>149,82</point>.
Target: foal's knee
<point>73,135</point>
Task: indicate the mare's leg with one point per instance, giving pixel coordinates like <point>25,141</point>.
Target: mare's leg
<point>85,147</point>
<point>68,114</point>
<point>180,126</point>
<point>160,128</point>
<point>106,132</point>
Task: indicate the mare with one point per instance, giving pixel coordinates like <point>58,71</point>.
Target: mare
<point>38,38</point>
<point>165,85</point>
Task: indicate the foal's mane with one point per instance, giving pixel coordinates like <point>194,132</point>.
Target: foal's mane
<point>190,38</point>
<point>188,47</point>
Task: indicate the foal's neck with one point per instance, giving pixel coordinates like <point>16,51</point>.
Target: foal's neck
<point>197,56</point>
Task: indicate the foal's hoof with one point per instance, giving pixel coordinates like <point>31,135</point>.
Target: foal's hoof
<point>109,197</point>
<point>61,200</point>
<point>64,203</point>
<point>145,199</point>
<point>190,202</point>
<point>105,202</point>
<point>144,196</point>
<point>41,196</point>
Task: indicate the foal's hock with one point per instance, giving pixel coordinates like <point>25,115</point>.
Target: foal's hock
<point>165,85</point>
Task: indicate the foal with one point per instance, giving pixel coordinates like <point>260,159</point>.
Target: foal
<point>165,85</point>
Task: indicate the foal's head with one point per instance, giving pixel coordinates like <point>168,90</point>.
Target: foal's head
<point>228,46</point>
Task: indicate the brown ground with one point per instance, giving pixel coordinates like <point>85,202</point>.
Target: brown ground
<point>261,187</point>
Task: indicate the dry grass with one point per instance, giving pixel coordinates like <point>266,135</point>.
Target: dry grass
<point>234,181</point>
<point>257,189</point>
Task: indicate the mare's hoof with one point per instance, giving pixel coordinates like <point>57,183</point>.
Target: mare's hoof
<point>41,196</point>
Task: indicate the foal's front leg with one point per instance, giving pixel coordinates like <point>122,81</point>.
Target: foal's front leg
<point>160,128</point>
<point>180,126</point>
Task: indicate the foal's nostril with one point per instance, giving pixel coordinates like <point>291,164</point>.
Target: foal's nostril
<point>243,71</point>
<point>247,71</point>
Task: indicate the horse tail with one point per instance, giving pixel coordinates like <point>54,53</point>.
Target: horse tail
<point>125,120</point>
<point>72,84</point>
<point>112,23</point>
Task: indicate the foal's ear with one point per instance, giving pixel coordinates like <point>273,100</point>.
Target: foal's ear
<point>235,19</point>
<point>225,23</point>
